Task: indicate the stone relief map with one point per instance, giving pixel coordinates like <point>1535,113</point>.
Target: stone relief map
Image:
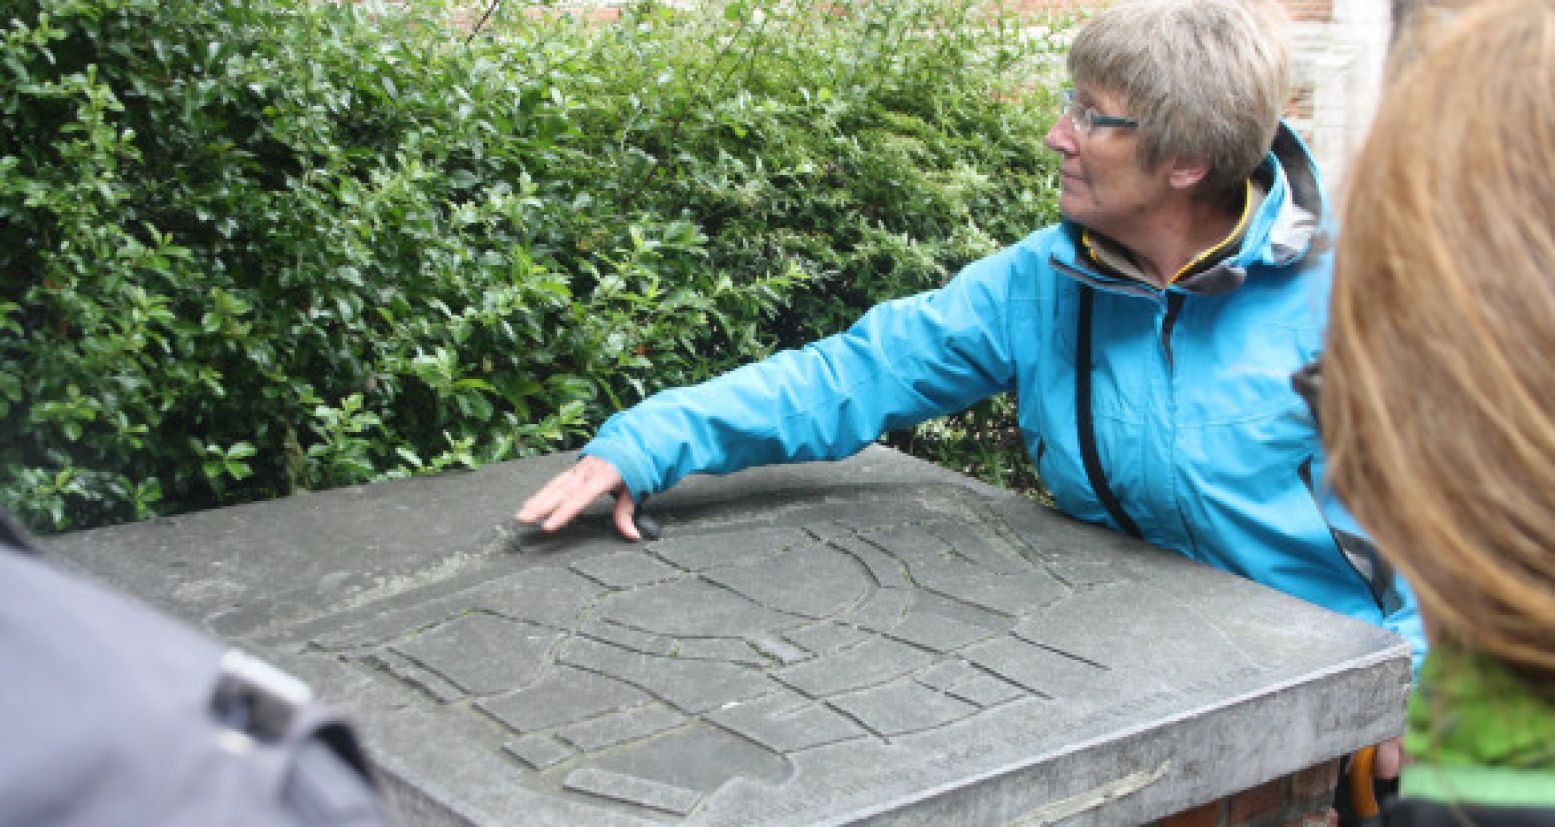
<point>613,676</point>
<point>870,641</point>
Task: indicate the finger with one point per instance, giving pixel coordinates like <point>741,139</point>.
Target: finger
<point>573,499</point>
<point>1390,757</point>
<point>543,502</point>
<point>558,490</point>
<point>588,480</point>
<point>625,508</point>
<point>568,493</point>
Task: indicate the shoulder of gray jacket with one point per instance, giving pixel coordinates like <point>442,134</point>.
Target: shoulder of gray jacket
<point>115,713</point>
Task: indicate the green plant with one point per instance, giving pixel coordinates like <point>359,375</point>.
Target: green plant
<point>252,246</point>
<point>983,441</point>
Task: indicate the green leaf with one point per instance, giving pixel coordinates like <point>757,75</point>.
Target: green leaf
<point>241,450</point>
<point>345,235</point>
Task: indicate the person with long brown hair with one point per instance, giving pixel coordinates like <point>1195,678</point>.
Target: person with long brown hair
<point>1438,407</point>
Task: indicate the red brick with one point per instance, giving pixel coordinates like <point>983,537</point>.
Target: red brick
<point>1044,5</point>
<point>1249,804</point>
<point>1321,11</point>
<point>1322,818</point>
<point>1300,104</point>
<point>1207,815</point>
<point>1315,781</point>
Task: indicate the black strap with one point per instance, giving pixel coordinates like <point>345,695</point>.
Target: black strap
<point>1360,552</point>
<point>1084,423</point>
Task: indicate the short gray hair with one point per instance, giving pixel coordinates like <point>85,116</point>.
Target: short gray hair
<point>1207,79</point>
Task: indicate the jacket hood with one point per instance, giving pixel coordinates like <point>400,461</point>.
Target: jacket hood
<point>1303,208</point>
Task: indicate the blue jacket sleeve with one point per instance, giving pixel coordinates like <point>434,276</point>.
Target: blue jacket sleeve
<point>903,362</point>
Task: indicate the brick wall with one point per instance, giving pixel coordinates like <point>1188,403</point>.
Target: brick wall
<point>1299,10</point>
<point>1320,11</point>
<point>1037,6</point>
<point>1302,799</point>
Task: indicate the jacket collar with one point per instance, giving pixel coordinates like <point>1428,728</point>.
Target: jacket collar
<point>1479,733</point>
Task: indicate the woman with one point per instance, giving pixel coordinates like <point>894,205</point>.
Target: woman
<point>1439,404</point>
<point>1149,336</point>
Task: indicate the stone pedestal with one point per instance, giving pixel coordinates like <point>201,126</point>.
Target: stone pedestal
<point>877,640</point>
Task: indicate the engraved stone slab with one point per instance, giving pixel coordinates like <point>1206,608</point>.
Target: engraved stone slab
<point>628,725</point>
<point>787,723</point>
<point>538,751</point>
<point>877,640</point>
<point>482,653</point>
<point>563,697</point>
<point>632,790</point>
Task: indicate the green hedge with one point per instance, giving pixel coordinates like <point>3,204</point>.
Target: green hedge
<point>249,247</point>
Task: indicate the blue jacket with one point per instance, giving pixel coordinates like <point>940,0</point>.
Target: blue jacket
<point>1197,428</point>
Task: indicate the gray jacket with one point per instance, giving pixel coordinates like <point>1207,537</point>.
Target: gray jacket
<point>113,714</point>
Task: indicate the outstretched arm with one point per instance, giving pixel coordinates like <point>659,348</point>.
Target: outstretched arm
<point>904,361</point>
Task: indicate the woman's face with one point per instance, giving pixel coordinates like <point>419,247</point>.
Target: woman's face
<point>1103,186</point>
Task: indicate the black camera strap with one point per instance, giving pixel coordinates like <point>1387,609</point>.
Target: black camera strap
<point>1085,424</point>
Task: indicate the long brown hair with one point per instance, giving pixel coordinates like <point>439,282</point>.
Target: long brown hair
<point>1439,397</point>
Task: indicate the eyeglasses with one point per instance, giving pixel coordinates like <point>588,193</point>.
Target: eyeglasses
<point>1086,118</point>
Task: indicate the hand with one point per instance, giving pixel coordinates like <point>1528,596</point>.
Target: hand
<point>1390,758</point>
<point>575,489</point>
